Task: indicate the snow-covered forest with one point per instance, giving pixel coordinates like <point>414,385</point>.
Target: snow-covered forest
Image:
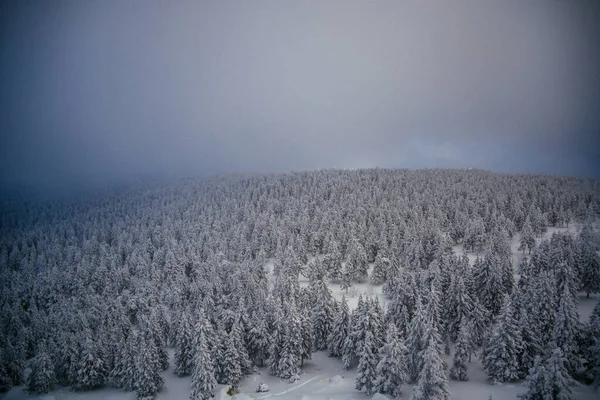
<point>404,281</point>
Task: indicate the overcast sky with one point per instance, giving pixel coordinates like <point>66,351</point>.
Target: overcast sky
<point>95,91</point>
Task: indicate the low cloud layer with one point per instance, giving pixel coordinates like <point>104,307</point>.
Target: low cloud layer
<point>102,91</point>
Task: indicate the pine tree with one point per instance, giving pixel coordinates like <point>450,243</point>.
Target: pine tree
<point>432,382</point>
<point>91,373</point>
<point>558,376</point>
<point>184,347</point>
<point>238,342</point>
<point>381,269</point>
<point>500,355</point>
<point>461,354</point>
<point>366,376</point>
<point>321,314</point>
<point>123,373</point>
<point>537,382</point>
<point>148,380</point>
<point>258,342</point>
<point>203,373</point>
<point>231,371</point>
<point>339,331</point>
<point>391,369</point>
<point>415,342</point>
<point>567,330</point>
<point>41,378</point>
<point>5,381</point>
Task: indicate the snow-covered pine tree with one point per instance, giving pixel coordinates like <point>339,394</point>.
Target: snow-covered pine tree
<point>231,371</point>
<point>306,334</point>
<point>238,342</point>
<point>462,351</point>
<point>590,269</point>
<point>5,381</point>
<point>203,373</point>
<point>391,369</point>
<point>321,313</point>
<point>415,342</point>
<point>527,241</point>
<point>258,341</point>
<point>537,382</point>
<point>148,380</point>
<point>41,378</point>
<point>567,330</point>
<point>558,376</point>
<point>339,331</point>
<point>122,375</point>
<point>184,345</point>
<point>458,307</point>
<point>500,355</point>
<point>432,382</point>
<point>381,269</point>
<point>489,283</point>
<point>291,344</point>
<point>91,371</point>
<point>366,375</point>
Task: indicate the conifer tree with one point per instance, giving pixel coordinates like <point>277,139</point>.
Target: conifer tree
<point>500,355</point>
<point>41,378</point>
<point>558,376</point>
<point>231,371</point>
<point>184,347</point>
<point>391,369</point>
<point>461,354</point>
<point>339,331</point>
<point>258,342</point>
<point>203,373</point>
<point>415,342</point>
<point>537,382</point>
<point>567,330</point>
<point>366,375</point>
<point>91,372</point>
<point>321,314</point>
<point>148,380</point>
<point>432,382</point>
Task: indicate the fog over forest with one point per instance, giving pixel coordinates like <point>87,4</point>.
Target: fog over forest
<point>95,93</point>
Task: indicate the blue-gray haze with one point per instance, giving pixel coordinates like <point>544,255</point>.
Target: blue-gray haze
<point>102,91</point>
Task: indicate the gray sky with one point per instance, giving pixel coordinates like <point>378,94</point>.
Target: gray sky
<point>94,91</point>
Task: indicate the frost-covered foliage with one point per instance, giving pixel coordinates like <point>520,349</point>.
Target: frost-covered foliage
<point>93,290</point>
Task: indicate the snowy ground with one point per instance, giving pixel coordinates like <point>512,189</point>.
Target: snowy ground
<point>323,378</point>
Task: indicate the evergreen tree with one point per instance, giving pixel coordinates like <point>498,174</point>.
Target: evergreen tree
<point>258,342</point>
<point>391,370</point>
<point>148,380</point>
<point>41,378</point>
<point>123,373</point>
<point>500,355</point>
<point>567,330</point>
<point>558,376</point>
<point>231,371</point>
<point>5,381</point>
<point>415,342</point>
<point>537,382</point>
<point>322,314</point>
<point>366,375</point>
<point>184,346</point>
<point>461,354</point>
<point>91,373</point>
<point>339,331</point>
<point>432,382</point>
<point>381,269</point>
<point>203,373</point>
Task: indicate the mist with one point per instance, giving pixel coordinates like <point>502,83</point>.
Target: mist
<point>96,93</point>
